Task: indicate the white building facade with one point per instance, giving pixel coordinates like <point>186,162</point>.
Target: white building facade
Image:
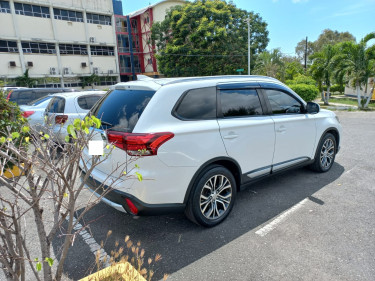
<point>58,41</point>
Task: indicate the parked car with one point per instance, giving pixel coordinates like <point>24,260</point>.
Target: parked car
<point>201,140</point>
<point>7,89</point>
<point>63,108</point>
<point>35,110</point>
<point>25,96</point>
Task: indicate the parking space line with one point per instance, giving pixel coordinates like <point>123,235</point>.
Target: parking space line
<point>272,225</point>
<point>94,246</point>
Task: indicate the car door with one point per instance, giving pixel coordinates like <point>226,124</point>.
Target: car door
<point>248,134</point>
<point>295,130</point>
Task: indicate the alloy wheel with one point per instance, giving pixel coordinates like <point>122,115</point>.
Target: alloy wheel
<point>215,197</point>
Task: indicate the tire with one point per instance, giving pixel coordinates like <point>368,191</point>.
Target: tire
<point>207,206</point>
<point>325,154</point>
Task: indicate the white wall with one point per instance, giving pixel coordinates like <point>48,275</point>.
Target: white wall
<point>102,33</point>
<point>41,63</point>
<point>68,31</point>
<point>5,69</point>
<point>33,27</point>
<point>160,10</point>
<point>6,26</point>
<point>104,63</point>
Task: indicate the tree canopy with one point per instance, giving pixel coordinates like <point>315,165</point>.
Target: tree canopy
<point>327,37</point>
<point>207,37</point>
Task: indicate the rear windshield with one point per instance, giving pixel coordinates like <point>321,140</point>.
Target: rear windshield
<point>39,101</point>
<point>120,109</point>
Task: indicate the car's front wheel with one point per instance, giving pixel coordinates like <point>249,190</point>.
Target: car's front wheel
<point>213,197</point>
<point>325,154</point>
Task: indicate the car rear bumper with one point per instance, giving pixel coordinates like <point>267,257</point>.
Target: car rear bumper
<point>117,199</point>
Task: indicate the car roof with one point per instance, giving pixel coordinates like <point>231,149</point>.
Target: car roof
<point>78,94</point>
<point>155,84</point>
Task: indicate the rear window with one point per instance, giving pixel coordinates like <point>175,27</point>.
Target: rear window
<point>87,102</point>
<point>56,105</point>
<point>40,100</point>
<point>198,104</point>
<point>121,109</point>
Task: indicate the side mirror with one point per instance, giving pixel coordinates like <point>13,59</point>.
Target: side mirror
<point>312,108</point>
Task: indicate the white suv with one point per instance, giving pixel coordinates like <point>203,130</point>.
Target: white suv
<point>203,139</point>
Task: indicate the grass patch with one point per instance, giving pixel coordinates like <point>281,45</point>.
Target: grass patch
<point>350,102</point>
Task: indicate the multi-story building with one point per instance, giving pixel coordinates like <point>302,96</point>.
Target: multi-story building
<point>138,57</point>
<point>58,41</point>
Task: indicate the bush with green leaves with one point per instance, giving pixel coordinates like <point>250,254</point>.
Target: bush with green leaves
<point>12,125</point>
<point>301,79</point>
<point>307,92</point>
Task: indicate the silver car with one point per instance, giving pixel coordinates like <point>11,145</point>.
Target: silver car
<point>63,108</point>
<point>34,112</point>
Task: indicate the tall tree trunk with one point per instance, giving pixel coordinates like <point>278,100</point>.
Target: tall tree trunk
<point>358,94</point>
<point>326,98</point>
<point>369,96</point>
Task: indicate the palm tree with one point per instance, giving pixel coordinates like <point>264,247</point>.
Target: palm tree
<point>25,80</point>
<point>322,67</point>
<point>358,63</point>
<point>269,63</point>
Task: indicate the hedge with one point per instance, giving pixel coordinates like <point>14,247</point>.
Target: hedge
<point>307,92</point>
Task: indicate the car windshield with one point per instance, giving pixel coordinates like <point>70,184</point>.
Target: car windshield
<point>39,101</point>
<point>120,109</point>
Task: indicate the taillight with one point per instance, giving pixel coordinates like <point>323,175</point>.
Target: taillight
<point>139,144</point>
<point>61,119</point>
<point>27,114</point>
<point>133,209</point>
<point>8,97</point>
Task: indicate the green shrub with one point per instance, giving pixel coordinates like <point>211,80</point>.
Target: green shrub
<point>301,79</point>
<point>307,92</point>
<point>12,124</point>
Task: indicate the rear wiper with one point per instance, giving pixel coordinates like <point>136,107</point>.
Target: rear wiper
<point>106,123</point>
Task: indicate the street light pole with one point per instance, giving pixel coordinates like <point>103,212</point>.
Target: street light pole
<point>248,45</point>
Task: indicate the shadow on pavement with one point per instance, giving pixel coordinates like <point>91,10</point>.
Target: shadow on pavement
<point>181,242</point>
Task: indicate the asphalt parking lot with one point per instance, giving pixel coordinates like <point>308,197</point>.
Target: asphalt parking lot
<point>297,226</point>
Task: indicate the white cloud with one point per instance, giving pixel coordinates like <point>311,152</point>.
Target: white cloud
<point>299,1</point>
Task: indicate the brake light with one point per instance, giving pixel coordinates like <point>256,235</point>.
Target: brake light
<point>61,119</point>
<point>139,144</point>
<point>8,97</point>
<point>133,209</point>
<point>27,114</point>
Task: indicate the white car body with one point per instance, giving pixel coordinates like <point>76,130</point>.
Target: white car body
<point>69,110</point>
<point>35,112</point>
<point>249,146</point>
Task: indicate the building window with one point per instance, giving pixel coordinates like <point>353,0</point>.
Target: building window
<point>134,26</point>
<point>98,19</point>
<point>71,49</point>
<point>38,48</point>
<point>121,25</point>
<point>8,46</point>
<point>123,43</point>
<point>4,7</point>
<point>68,15</point>
<point>32,10</point>
<point>102,51</point>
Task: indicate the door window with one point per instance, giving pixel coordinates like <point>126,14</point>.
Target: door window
<point>57,105</point>
<point>87,102</point>
<point>283,103</point>
<point>240,103</point>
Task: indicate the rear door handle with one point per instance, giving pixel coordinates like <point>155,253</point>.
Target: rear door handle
<point>229,137</point>
<point>281,129</point>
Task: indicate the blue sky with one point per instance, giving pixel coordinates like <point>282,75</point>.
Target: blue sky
<point>290,21</point>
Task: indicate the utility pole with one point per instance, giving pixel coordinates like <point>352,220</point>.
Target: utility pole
<point>306,55</point>
<point>248,44</point>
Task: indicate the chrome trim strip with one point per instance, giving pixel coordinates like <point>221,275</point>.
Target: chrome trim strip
<point>289,163</point>
<point>118,207</point>
<point>259,172</point>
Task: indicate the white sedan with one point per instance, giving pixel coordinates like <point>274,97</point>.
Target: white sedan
<point>63,108</point>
